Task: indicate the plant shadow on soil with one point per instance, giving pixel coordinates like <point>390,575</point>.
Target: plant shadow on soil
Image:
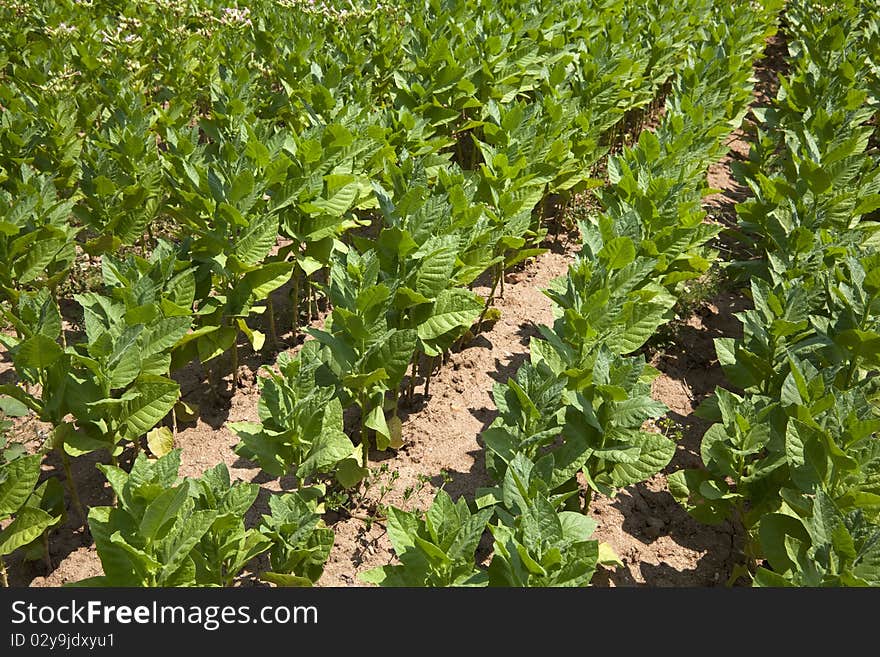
<point>650,514</point>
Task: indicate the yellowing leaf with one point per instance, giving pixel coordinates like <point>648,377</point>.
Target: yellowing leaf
<point>160,441</point>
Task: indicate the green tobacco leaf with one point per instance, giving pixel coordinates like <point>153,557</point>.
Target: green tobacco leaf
<point>256,338</point>
<point>155,398</point>
<point>254,244</point>
<point>773,529</point>
<point>28,525</point>
<point>656,452</point>
<point>435,272</point>
<point>103,522</point>
<point>328,449</point>
<point>12,407</point>
<point>349,472</point>
<point>684,485</point>
<point>375,420</point>
<point>20,477</point>
<point>635,410</point>
<point>338,201</point>
<point>163,510</point>
<point>395,354</point>
<point>454,308</point>
<point>618,253</point>
<point>163,335</point>
<point>185,535</point>
<point>77,443</point>
<point>38,352</point>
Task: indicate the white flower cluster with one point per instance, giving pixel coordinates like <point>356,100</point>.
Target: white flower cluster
<point>126,32</point>
<point>316,7</point>
<point>62,29</point>
<point>20,7</point>
<point>235,16</point>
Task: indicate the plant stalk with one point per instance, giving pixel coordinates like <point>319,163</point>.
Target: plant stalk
<point>46,556</point>
<point>431,362</point>
<point>273,334</point>
<point>235,363</point>
<point>501,292</point>
<point>4,581</point>
<point>486,306</point>
<point>365,445</point>
<point>412,378</point>
<point>294,302</point>
<point>71,485</point>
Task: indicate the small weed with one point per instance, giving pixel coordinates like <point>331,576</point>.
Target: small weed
<point>671,428</point>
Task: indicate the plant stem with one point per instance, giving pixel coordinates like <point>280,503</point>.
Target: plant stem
<point>294,302</point>
<point>486,306</point>
<point>235,363</point>
<point>4,581</point>
<point>430,372</point>
<point>71,484</point>
<point>273,335</point>
<point>314,299</point>
<point>46,556</point>
<point>365,446</point>
<point>588,497</point>
<point>412,377</point>
<point>115,463</point>
<point>501,276</point>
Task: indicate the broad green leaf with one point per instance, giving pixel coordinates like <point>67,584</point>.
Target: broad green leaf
<point>162,510</point>
<point>155,398</point>
<point>20,477</point>
<point>618,253</point>
<point>184,536</point>
<point>38,352</point>
<point>455,308</point>
<point>349,472</point>
<point>29,523</point>
<point>285,580</point>
<point>656,453</point>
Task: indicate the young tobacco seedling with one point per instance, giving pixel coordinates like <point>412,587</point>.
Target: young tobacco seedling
<point>227,547</point>
<point>301,543</point>
<point>150,537</point>
<point>365,355</point>
<point>301,424</point>
<point>820,545</point>
<point>437,550</point>
<point>37,244</point>
<point>536,545</point>
<point>600,423</point>
<point>222,190</point>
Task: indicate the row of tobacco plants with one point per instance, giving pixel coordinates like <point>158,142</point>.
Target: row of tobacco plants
<point>793,456</point>
<point>582,402</point>
<point>167,173</point>
<point>167,170</point>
